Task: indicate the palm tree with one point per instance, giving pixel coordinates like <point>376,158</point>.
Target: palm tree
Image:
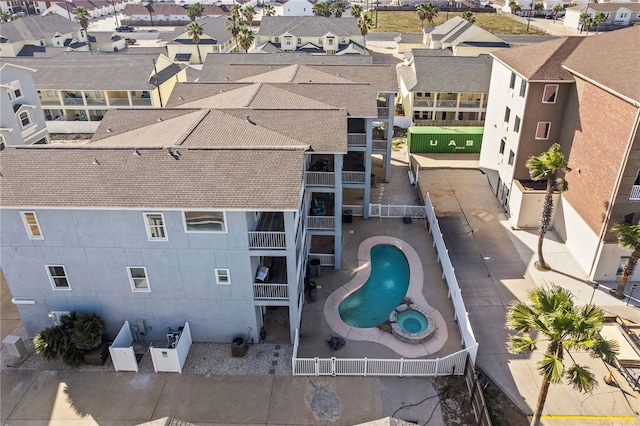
<point>538,7</point>
<point>588,22</point>
<point>195,11</point>
<point>628,237</point>
<point>582,21</point>
<point>337,7</point>
<point>245,39</point>
<point>234,25</point>
<point>550,165</point>
<point>82,17</point>
<point>599,19</point>
<point>555,319</point>
<point>4,16</point>
<point>322,8</point>
<point>236,10</point>
<point>269,10</point>
<point>364,23</point>
<point>426,11</point>
<point>249,12</point>
<point>195,31</point>
<point>469,16</point>
<point>556,9</point>
<point>356,10</point>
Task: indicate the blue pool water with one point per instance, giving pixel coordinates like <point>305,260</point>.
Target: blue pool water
<point>387,285</point>
<point>412,321</point>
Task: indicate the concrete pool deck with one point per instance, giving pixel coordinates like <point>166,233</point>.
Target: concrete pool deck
<point>414,292</point>
<point>315,330</point>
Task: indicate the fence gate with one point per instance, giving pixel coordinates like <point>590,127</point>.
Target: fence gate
<point>475,391</point>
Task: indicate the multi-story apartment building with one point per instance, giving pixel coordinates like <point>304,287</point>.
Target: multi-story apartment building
<point>555,92</point>
<point>178,214</point>
<point>76,89</point>
<point>618,15</point>
<point>21,118</point>
<point>442,89</point>
<point>312,34</point>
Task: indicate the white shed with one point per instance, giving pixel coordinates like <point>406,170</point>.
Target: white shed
<point>297,8</point>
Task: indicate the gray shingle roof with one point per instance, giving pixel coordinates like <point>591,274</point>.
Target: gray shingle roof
<point>358,99</point>
<point>37,27</point>
<point>382,77</point>
<point>225,128</point>
<point>85,71</point>
<point>541,61</point>
<point>308,26</point>
<point>608,7</point>
<point>66,176</point>
<point>214,27</point>
<point>212,62</point>
<point>448,74</point>
<point>618,65</point>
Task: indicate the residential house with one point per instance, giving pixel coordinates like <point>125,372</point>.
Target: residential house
<point>95,8</point>
<point>297,8</point>
<point>619,15</point>
<point>107,42</point>
<point>215,39</point>
<point>555,92</point>
<point>311,34</point>
<point>77,88</point>
<point>24,36</point>
<point>21,118</point>
<point>460,36</point>
<point>23,7</point>
<point>438,89</point>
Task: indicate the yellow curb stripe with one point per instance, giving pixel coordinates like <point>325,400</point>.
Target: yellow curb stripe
<point>577,417</point>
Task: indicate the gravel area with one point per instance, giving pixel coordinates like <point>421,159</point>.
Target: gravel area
<point>203,359</point>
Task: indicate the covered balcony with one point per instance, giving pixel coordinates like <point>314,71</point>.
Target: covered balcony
<point>320,171</point>
<point>268,232</point>
<point>321,215</point>
<point>353,170</point>
<point>270,281</point>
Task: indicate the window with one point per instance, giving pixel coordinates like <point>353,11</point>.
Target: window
<point>542,130</point>
<point>419,94</point>
<point>31,223</point>
<point>516,124</point>
<point>155,227</point>
<point>502,144</point>
<point>58,277</point>
<point>276,40</point>
<point>512,83</point>
<point>287,41</point>
<point>138,278</point>
<point>507,114</point>
<point>16,92</point>
<point>204,221</point>
<point>222,276</point>
<point>512,156</point>
<point>299,40</point>
<point>2,142</point>
<point>550,93</point>
<point>330,40</point>
<point>24,118</point>
<point>523,87</point>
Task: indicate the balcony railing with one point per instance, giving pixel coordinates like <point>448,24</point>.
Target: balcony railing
<point>470,104</point>
<point>270,291</point>
<point>353,177</point>
<point>446,104</point>
<point>356,139</point>
<point>379,145</point>
<point>321,222</point>
<point>635,193</point>
<point>325,259</point>
<point>422,103</point>
<point>321,179</point>
<point>267,240</point>
<point>383,112</point>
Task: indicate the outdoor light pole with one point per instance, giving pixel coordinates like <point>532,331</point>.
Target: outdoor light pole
<point>595,287</point>
<point>529,17</point>
<point>633,288</point>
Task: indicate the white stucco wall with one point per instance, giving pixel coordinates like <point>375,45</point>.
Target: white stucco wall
<point>581,241</point>
<point>525,206</point>
<point>297,8</point>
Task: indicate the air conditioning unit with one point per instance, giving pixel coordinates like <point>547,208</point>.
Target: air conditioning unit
<point>15,346</point>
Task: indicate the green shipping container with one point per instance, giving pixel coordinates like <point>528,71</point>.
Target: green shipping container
<point>444,139</point>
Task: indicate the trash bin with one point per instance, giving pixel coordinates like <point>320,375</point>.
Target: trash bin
<point>238,347</point>
<point>314,268</point>
<point>373,180</point>
<point>347,216</point>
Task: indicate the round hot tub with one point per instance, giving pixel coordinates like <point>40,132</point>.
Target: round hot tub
<point>411,324</point>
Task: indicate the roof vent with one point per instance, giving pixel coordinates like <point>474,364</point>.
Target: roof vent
<point>175,155</point>
<point>95,162</point>
<point>136,152</point>
<point>226,78</point>
<point>109,130</point>
<point>160,119</point>
<point>180,98</point>
<point>250,121</point>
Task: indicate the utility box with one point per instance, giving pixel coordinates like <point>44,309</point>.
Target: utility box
<point>444,139</point>
<point>15,346</point>
<point>238,347</point>
<point>97,356</point>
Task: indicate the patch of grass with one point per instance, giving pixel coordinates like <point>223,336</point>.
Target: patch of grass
<point>408,22</point>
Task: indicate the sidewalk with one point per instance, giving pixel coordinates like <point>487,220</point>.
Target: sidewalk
<point>494,265</point>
